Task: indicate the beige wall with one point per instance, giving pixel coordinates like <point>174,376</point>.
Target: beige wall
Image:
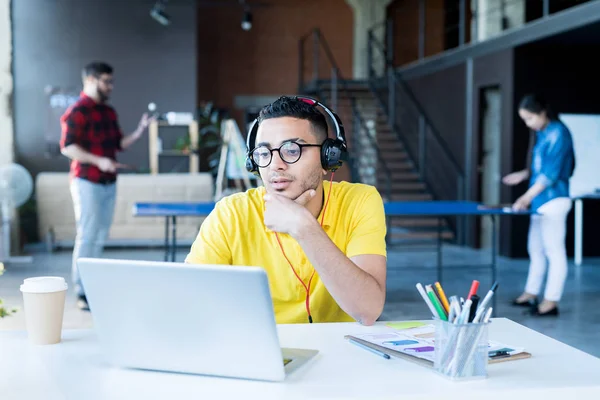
<point>489,16</point>
<point>367,13</point>
<point>6,85</point>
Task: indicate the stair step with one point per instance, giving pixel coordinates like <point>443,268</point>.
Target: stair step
<point>401,176</point>
<point>355,86</point>
<point>343,97</point>
<point>404,197</point>
<point>387,137</point>
<point>447,235</point>
<point>411,196</point>
<point>392,155</point>
<point>394,167</point>
<point>416,222</point>
<point>386,134</point>
<point>402,185</point>
<point>391,147</point>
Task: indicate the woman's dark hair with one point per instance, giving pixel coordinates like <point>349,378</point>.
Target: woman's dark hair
<point>536,105</point>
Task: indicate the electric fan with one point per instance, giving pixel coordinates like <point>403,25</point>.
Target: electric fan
<point>16,186</point>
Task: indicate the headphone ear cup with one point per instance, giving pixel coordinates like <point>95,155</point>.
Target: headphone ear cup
<point>250,164</point>
<point>331,154</point>
<point>251,167</point>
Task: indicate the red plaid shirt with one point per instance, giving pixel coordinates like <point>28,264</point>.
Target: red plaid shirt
<point>93,127</point>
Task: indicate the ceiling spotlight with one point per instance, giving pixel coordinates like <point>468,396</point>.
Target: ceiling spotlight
<point>247,20</point>
<point>158,13</point>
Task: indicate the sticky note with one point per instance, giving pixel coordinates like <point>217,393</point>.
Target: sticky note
<point>405,324</point>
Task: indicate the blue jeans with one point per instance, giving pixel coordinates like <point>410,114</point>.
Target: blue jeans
<point>94,205</point>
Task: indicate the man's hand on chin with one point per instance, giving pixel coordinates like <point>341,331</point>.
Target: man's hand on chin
<point>288,216</point>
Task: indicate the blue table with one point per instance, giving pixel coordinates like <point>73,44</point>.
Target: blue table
<point>171,211</point>
<point>392,209</point>
<point>450,208</point>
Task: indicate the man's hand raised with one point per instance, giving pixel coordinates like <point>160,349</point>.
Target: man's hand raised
<point>288,216</point>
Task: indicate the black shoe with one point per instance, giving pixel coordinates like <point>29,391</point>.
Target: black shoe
<point>82,303</point>
<point>529,303</point>
<point>553,312</point>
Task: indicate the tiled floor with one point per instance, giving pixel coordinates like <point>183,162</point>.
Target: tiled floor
<point>577,325</point>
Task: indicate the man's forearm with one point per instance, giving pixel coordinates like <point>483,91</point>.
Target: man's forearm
<point>131,138</point>
<point>75,152</point>
<point>356,291</point>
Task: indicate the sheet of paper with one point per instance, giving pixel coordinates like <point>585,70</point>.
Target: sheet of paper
<point>405,324</point>
<point>419,341</point>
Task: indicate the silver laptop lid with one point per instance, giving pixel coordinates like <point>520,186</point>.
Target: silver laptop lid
<point>202,319</point>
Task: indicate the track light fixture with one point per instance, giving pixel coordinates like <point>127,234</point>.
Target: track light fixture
<point>247,20</point>
<point>158,13</point>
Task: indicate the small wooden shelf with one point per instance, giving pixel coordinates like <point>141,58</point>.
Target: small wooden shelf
<point>166,124</point>
<point>174,153</point>
<point>155,153</point>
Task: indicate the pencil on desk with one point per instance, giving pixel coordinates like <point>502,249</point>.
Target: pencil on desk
<point>442,297</point>
<point>371,349</point>
<point>436,304</point>
<point>426,299</point>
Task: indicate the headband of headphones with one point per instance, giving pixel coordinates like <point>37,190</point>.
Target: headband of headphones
<point>332,150</point>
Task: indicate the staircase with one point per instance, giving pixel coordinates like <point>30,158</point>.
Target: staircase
<point>401,181</point>
<point>393,144</point>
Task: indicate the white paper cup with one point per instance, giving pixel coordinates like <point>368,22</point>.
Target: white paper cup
<point>44,304</point>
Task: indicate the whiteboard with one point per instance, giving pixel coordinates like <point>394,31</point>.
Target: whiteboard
<point>236,152</point>
<point>585,130</point>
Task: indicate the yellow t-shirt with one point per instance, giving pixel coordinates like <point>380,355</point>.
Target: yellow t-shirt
<point>235,234</point>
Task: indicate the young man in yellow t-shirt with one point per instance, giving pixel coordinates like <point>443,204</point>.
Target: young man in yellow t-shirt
<point>321,243</point>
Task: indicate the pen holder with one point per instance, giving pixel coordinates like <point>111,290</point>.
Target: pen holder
<point>461,350</point>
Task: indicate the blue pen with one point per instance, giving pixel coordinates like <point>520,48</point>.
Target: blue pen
<point>374,351</point>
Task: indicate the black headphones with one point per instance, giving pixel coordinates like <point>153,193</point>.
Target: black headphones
<point>332,150</point>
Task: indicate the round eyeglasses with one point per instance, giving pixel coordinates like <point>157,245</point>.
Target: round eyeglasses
<point>290,152</point>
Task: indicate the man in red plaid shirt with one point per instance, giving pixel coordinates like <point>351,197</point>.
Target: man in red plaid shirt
<point>91,137</point>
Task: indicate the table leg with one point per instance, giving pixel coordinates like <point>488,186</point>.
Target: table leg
<point>439,251</point>
<point>167,238</point>
<point>578,231</point>
<point>174,238</point>
<point>494,260</point>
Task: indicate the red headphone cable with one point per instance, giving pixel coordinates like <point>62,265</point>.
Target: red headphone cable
<point>307,288</point>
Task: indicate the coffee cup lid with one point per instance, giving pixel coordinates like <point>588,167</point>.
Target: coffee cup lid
<point>44,284</point>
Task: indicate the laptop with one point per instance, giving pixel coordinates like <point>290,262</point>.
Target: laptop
<point>199,319</point>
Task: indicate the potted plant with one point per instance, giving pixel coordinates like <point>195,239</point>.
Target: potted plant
<point>209,143</point>
<point>4,312</point>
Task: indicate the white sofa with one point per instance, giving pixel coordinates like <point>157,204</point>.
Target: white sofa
<point>56,221</point>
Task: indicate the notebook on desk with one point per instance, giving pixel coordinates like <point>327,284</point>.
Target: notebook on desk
<point>503,207</point>
<point>417,345</point>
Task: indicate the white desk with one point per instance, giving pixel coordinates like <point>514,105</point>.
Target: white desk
<point>74,369</point>
<point>578,247</point>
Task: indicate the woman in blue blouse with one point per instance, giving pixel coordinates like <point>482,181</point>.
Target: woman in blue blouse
<point>552,161</point>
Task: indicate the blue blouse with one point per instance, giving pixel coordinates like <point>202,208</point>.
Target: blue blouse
<point>552,163</point>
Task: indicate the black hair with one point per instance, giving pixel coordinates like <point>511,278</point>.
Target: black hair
<point>536,105</point>
<point>96,68</point>
<point>295,108</point>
